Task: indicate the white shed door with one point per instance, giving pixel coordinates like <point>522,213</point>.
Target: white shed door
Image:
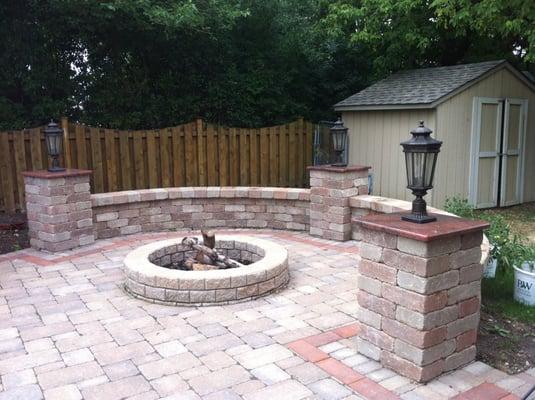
<point>512,148</point>
<point>497,152</point>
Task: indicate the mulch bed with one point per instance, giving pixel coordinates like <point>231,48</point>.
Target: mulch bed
<point>506,344</point>
<point>13,232</point>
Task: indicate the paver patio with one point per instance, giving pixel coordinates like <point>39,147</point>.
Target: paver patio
<point>69,331</point>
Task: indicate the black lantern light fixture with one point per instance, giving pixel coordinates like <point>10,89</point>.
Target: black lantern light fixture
<point>339,137</point>
<point>54,145</point>
<point>421,153</point>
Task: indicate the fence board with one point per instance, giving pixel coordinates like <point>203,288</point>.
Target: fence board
<point>111,160</point>
<point>20,163</point>
<point>212,159</point>
<point>300,153</point>
<point>8,187</point>
<point>264,156</point>
<point>283,156</point>
<point>126,164</point>
<point>253,158</point>
<point>139,167</point>
<point>234,158</point>
<point>192,172</point>
<point>201,153</point>
<point>193,154</point>
<point>244,158</point>
<point>292,149</point>
<point>151,159</point>
<point>36,155</point>
<point>177,161</point>
<point>222,153</point>
<point>273,161</point>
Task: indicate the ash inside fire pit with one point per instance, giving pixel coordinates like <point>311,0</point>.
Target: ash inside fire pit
<point>193,255</point>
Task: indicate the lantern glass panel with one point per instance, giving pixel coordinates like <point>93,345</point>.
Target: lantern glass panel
<point>338,140</point>
<point>431,159</point>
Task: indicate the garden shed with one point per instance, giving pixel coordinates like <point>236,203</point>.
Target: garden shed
<point>480,111</point>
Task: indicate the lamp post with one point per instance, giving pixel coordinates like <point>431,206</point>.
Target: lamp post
<point>421,153</point>
<point>339,136</point>
<point>54,145</point>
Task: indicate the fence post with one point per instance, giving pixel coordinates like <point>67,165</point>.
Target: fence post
<point>66,143</point>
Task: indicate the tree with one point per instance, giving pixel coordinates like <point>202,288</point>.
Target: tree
<point>403,34</point>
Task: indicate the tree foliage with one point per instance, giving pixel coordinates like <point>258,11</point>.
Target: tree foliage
<point>149,63</point>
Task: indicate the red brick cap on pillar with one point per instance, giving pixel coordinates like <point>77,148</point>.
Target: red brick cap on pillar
<point>331,168</point>
<point>445,226</point>
<point>44,174</point>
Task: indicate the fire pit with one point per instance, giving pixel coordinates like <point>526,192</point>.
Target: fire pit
<point>156,272</point>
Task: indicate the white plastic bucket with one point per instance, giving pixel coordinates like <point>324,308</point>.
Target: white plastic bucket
<point>525,283</point>
<point>490,268</point>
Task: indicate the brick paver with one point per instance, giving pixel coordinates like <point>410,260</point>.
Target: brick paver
<point>69,331</point>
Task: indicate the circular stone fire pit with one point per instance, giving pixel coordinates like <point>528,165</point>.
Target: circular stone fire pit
<point>150,274</point>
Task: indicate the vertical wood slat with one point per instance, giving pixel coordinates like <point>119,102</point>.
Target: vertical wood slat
<point>151,160</point>
<point>234,158</point>
<point>201,153</point>
<point>111,160</point>
<point>273,157</point>
<point>244,158</point>
<point>164,158</point>
<point>20,165</point>
<point>283,156</point>
<point>211,156</point>
<point>139,166</point>
<point>36,155</point>
<point>81,150</point>
<point>177,157</point>
<point>301,181</point>
<point>96,160</point>
<point>191,159</point>
<point>6,172</point>
<point>253,157</point>
<point>126,164</point>
<point>264,157</point>
<point>223,152</point>
<point>292,148</point>
<point>66,143</point>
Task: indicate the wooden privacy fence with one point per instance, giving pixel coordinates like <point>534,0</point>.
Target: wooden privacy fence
<point>192,154</point>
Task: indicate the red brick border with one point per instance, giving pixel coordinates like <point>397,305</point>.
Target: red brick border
<point>307,348</point>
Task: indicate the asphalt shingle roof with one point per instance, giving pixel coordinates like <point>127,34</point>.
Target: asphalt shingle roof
<point>418,86</point>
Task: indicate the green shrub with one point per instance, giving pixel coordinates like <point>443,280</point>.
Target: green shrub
<point>508,250</point>
<point>459,207</point>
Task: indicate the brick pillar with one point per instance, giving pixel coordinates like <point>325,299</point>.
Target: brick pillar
<point>419,293</point>
<point>330,190</point>
<point>59,211</point>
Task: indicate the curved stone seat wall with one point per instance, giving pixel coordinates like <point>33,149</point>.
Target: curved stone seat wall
<point>127,212</point>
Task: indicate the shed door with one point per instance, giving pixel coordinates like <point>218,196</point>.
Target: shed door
<point>486,136</point>
<point>512,157</point>
<point>498,127</point>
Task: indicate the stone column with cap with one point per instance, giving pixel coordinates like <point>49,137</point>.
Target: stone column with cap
<point>419,293</point>
<point>330,190</point>
<point>58,206</point>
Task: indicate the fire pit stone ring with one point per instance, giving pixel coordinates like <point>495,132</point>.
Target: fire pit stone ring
<point>148,276</point>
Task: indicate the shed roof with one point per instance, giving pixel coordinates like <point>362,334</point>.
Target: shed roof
<point>423,88</point>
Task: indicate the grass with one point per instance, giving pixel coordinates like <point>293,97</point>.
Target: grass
<point>497,296</point>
